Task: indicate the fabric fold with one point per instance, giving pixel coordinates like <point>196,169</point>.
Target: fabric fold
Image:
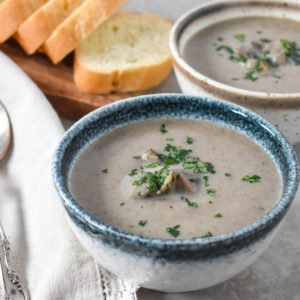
<point>44,251</point>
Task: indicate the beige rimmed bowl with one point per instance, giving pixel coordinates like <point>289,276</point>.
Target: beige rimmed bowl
<point>281,109</point>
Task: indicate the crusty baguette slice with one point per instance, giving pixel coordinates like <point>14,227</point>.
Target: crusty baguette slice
<point>129,52</point>
<point>39,26</point>
<point>82,22</point>
<point>13,13</point>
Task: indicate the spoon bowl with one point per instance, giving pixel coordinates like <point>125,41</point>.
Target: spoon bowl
<point>5,131</point>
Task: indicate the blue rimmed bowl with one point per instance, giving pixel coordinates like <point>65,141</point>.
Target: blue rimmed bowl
<point>182,264</point>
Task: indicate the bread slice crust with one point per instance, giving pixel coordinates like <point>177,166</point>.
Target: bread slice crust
<point>13,13</point>
<point>39,26</point>
<point>81,23</point>
<point>135,79</point>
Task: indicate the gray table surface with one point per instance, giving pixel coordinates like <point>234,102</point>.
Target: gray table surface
<point>276,274</point>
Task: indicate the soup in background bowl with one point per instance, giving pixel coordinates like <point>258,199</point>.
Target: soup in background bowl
<point>247,52</point>
<point>169,186</point>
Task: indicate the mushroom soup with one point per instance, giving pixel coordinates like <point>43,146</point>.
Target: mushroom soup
<point>252,53</point>
<point>175,179</point>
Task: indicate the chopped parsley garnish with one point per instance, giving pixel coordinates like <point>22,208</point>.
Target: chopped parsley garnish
<point>154,180</point>
<point>205,167</point>
<point>259,32</point>
<point>266,58</point>
<point>220,39</point>
<point>227,174</point>
<point>266,41</point>
<point>251,75</point>
<point>153,165</point>
<point>234,79</point>
<point>163,128</point>
<point>121,204</point>
<point>105,171</point>
<point>207,234</point>
<point>137,157</point>
<point>218,215</point>
<point>239,58</point>
<point>169,139</point>
<point>133,172</point>
<point>189,202</point>
<point>143,222</point>
<point>173,231</point>
<point>226,48</point>
<point>251,178</point>
<point>206,183</point>
<point>189,140</point>
<point>211,192</point>
<point>260,55</point>
<point>158,180</point>
<point>240,37</point>
<point>199,166</point>
<point>175,155</point>
<point>291,50</point>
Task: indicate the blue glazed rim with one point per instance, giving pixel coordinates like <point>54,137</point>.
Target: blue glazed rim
<point>175,106</point>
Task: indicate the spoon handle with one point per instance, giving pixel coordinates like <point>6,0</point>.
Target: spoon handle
<point>11,274</point>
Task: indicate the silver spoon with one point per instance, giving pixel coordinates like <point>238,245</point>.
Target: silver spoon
<point>5,268</point>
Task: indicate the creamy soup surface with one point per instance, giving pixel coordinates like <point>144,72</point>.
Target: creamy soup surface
<point>252,53</point>
<point>229,180</point>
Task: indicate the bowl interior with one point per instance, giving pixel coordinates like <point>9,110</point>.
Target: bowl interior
<point>104,120</point>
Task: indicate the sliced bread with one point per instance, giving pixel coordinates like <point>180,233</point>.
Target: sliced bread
<point>129,52</point>
<point>13,13</point>
<point>82,22</point>
<point>39,26</point>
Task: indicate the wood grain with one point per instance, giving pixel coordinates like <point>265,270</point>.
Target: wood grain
<point>57,83</point>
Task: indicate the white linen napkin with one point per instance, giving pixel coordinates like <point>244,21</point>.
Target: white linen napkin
<point>44,251</point>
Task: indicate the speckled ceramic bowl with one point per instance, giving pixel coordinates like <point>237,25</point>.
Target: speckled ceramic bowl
<point>173,265</point>
<point>283,110</point>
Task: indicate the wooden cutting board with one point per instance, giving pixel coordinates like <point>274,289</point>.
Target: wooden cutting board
<point>56,81</point>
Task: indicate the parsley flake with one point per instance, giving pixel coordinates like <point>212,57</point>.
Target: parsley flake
<point>189,202</point>
<point>211,192</point>
<point>174,155</point>
<point>266,41</point>
<point>153,180</point>
<point>240,58</point>
<point>105,171</point>
<point>291,50</point>
<point>121,204</point>
<point>143,222</point>
<point>227,175</point>
<point>207,234</point>
<point>251,75</point>
<point>153,165</point>
<point>133,172</point>
<point>163,128</point>
<point>189,140</point>
<point>206,183</point>
<point>137,157</point>
<point>251,178</point>
<point>218,215</point>
<point>173,231</point>
<point>240,37</point>
<point>226,48</point>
